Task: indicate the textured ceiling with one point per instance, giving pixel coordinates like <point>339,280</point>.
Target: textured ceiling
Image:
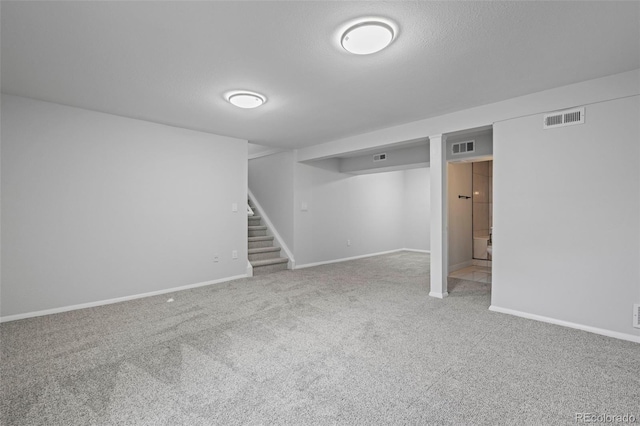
<point>171,62</point>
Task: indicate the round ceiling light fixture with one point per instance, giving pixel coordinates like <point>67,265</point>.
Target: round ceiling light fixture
<point>245,99</point>
<point>367,37</point>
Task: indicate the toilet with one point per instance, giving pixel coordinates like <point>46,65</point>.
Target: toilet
<point>480,245</point>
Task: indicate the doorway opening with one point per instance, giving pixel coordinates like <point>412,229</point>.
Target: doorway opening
<point>470,211</point>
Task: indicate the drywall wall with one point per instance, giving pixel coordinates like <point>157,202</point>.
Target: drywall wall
<point>333,207</point>
<point>590,92</point>
<point>459,215</point>
<point>96,206</point>
<point>271,182</point>
<point>255,150</point>
<point>483,145</point>
<point>415,156</point>
<point>606,88</point>
<point>316,208</point>
<point>566,217</point>
<point>417,213</point>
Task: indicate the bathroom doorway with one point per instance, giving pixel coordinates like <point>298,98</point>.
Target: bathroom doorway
<point>470,209</point>
<point>470,197</point>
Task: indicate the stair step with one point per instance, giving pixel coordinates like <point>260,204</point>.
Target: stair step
<point>257,231</point>
<point>255,217</point>
<point>258,242</point>
<point>263,253</point>
<point>267,262</point>
<point>262,238</point>
<point>263,249</point>
<point>267,266</point>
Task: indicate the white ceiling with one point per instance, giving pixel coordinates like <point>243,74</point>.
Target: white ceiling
<point>171,62</point>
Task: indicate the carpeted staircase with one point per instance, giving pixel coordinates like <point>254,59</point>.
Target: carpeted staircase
<point>263,255</point>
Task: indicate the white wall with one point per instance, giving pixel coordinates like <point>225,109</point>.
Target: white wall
<point>376,212</point>
<point>566,241</point>
<point>606,88</point>
<point>366,209</point>
<point>96,206</point>
<point>483,145</point>
<point>415,156</point>
<point>271,182</point>
<point>417,211</point>
<point>530,107</point>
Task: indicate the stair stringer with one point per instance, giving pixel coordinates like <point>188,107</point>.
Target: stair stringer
<point>249,269</point>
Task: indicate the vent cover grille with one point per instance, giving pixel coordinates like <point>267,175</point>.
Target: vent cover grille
<point>463,147</point>
<point>380,157</point>
<point>636,315</point>
<point>567,117</point>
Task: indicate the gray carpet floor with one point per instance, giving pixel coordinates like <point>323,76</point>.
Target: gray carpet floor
<point>358,342</point>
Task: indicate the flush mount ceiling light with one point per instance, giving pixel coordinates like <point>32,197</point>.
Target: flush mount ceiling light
<point>245,99</point>
<point>367,37</point>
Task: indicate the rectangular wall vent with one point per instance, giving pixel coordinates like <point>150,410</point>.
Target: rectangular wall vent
<point>463,147</point>
<point>567,117</point>
<point>380,157</point>
<point>636,315</point>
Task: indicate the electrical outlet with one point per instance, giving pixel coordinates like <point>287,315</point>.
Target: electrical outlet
<point>234,254</point>
<point>348,243</point>
<point>216,259</point>
<point>636,315</point>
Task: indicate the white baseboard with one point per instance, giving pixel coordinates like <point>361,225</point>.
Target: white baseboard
<point>344,259</point>
<point>115,300</point>
<point>601,331</point>
<point>438,295</point>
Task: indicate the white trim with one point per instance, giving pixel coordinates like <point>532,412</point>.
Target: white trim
<point>417,250</point>
<point>274,231</point>
<point>249,269</point>
<point>601,331</point>
<point>461,265</point>
<point>344,259</point>
<point>439,228</point>
<point>264,153</point>
<point>439,295</point>
<point>115,300</point>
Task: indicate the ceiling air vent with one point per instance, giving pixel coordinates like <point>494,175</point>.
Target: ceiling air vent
<point>379,157</point>
<point>463,147</point>
<point>567,117</point>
